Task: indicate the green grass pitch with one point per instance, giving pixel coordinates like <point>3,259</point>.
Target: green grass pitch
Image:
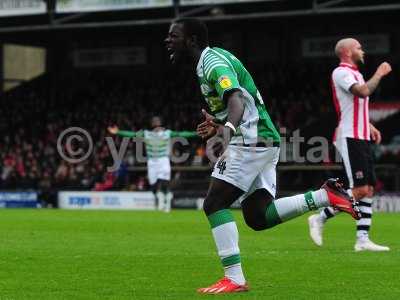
<point>56,254</point>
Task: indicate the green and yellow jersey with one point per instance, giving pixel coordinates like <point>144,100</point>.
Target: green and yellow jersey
<point>219,72</point>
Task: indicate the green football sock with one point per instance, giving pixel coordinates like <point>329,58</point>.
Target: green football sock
<point>226,237</point>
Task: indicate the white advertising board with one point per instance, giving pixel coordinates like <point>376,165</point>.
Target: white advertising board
<point>21,7</point>
<point>106,200</point>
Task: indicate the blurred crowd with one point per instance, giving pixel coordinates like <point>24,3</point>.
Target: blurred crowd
<point>33,116</point>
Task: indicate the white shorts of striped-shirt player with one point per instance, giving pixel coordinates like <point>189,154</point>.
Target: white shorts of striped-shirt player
<point>158,168</point>
<point>248,168</point>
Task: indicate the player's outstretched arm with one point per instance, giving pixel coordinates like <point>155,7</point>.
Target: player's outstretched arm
<point>365,90</point>
<point>125,133</point>
<point>184,134</point>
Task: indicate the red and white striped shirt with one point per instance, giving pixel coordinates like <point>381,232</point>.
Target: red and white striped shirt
<point>352,110</point>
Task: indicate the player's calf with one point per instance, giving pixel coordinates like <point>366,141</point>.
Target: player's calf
<point>224,230</point>
<point>260,214</point>
<point>254,209</point>
<point>220,196</point>
<point>257,223</point>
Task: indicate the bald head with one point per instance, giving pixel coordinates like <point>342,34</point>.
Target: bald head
<point>344,45</point>
<point>349,51</point>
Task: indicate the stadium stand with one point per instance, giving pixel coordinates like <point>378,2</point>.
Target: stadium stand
<point>296,93</point>
<point>33,119</point>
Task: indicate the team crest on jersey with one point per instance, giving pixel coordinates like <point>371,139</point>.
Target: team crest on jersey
<point>224,82</point>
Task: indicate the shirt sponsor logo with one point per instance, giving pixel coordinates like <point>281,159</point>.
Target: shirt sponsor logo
<point>215,104</point>
<point>205,89</point>
<point>224,82</point>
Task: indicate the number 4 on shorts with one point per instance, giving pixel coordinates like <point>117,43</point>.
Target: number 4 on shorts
<point>221,165</point>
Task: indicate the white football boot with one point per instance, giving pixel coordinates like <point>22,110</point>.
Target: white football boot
<point>367,245</point>
<point>316,227</point>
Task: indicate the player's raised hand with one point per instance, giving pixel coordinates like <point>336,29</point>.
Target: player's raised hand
<point>113,129</point>
<point>384,69</point>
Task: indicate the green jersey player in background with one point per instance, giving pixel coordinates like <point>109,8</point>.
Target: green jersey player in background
<point>158,144</point>
<point>247,147</point>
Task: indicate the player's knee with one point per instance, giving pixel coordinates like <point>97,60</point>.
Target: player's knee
<point>210,206</point>
<point>157,186</point>
<point>207,206</point>
<point>256,226</point>
<point>361,192</point>
<point>256,223</point>
<point>165,186</point>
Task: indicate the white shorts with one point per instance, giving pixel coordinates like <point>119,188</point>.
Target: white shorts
<point>158,168</point>
<point>248,168</point>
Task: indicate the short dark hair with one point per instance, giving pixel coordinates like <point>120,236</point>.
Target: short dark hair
<point>156,116</point>
<point>195,27</point>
